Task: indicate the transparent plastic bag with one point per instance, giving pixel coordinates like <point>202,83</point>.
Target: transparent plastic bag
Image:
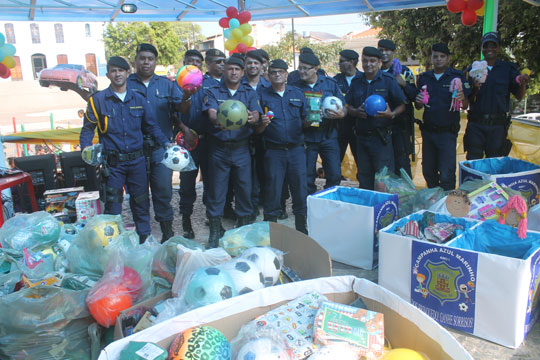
<point>177,158</point>
<point>260,342</point>
<point>92,155</point>
<point>235,241</point>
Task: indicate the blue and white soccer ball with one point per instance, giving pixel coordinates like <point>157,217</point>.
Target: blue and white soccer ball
<point>208,285</point>
<point>262,348</point>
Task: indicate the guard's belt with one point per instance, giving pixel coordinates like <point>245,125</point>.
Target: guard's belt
<point>288,146</point>
<point>115,157</point>
<point>488,119</point>
<point>228,144</point>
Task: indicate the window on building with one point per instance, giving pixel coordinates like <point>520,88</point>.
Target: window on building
<point>87,30</point>
<point>34,31</point>
<point>10,33</point>
<point>59,33</point>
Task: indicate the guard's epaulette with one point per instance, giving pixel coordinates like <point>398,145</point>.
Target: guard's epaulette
<point>384,73</point>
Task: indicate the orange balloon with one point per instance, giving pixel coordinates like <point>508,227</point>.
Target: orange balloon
<point>481,11</point>
<point>106,302</point>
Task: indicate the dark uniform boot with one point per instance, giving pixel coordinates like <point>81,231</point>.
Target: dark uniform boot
<point>188,229</point>
<point>166,230</point>
<point>300,223</point>
<point>270,218</point>
<point>283,215</point>
<point>142,238</point>
<point>229,213</point>
<point>215,232</point>
<point>243,220</point>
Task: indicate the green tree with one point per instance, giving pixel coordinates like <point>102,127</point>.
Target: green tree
<point>414,31</point>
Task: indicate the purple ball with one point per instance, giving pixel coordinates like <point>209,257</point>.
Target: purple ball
<point>373,104</point>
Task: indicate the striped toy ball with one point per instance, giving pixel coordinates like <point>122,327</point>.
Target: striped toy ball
<point>200,343</point>
<point>189,77</point>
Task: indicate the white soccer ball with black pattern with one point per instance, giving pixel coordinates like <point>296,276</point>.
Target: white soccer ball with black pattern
<point>268,260</point>
<point>245,274</point>
<point>262,348</point>
<point>176,158</point>
<point>331,103</point>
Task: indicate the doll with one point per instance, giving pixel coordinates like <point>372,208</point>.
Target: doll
<point>514,213</point>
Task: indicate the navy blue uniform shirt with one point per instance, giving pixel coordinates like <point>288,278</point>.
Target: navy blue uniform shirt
<point>262,83</point>
<point>121,123</point>
<point>162,95</point>
<point>326,86</point>
<point>289,111</point>
<point>494,95</point>
<point>344,86</point>
<point>384,85</point>
<point>214,96</point>
<point>410,89</point>
<point>440,96</point>
<point>196,119</point>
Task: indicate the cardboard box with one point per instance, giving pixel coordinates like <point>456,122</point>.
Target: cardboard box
<point>61,202</point>
<point>405,326</point>
<point>87,205</point>
<point>345,221</point>
<point>516,174</point>
<point>303,255</point>
<point>491,296</point>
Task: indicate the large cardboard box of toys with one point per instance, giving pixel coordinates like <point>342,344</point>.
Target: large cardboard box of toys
<point>516,174</point>
<point>345,221</point>
<point>483,281</point>
<point>404,325</point>
<point>306,259</point>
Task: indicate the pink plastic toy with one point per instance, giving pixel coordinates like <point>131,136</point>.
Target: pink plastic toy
<point>455,86</point>
<point>425,99</point>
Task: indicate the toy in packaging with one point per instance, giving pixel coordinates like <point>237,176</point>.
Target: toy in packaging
<point>61,202</point>
<point>486,201</point>
<point>87,205</point>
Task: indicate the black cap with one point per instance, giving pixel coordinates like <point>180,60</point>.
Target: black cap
<point>255,54</point>
<point>491,36</point>
<point>387,44</point>
<point>119,62</point>
<point>214,53</point>
<point>239,55</point>
<point>235,60</point>
<point>371,51</point>
<point>309,58</point>
<point>440,47</point>
<point>278,64</point>
<point>194,52</point>
<point>306,50</point>
<point>349,54</point>
<point>147,47</point>
<point>264,54</point>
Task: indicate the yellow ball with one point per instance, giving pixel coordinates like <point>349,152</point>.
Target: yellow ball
<point>403,354</point>
<point>106,232</point>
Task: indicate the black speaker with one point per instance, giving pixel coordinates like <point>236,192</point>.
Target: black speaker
<point>78,173</point>
<point>42,168</point>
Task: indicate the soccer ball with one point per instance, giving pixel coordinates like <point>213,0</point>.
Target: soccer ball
<point>268,260</point>
<point>245,274</point>
<point>176,158</point>
<point>262,349</point>
<point>105,232</point>
<point>232,114</point>
<point>208,285</point>
<point>334,351</point>
<point>331,103</point>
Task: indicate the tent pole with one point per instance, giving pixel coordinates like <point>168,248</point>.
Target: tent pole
<point>490,16</point>
<point>293,51</point>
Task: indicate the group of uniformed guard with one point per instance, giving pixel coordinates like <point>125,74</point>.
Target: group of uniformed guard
<point>276,151</point>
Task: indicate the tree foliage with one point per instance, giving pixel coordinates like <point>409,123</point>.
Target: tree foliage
<point>414,31</point>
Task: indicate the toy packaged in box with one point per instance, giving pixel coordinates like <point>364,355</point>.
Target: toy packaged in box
<point>486,201</point>
<point>87,205</point>
<point>61,203</point>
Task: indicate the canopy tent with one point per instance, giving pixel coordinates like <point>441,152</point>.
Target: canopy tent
<point>192,10</point>
<point>58,136</point>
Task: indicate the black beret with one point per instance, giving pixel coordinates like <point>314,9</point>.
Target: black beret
<point>235,60</point>
<point>194,52</point>
<point>387,44</point>
<point>214,53</point>
<point>306,50</point>
<point>492,36</point>
<point>371,51</point>
<point>440,47</point>
<point>309,58</point>
<point>264,54</point>
<point>254,54</point>
<point>119,62</point>
<point>147,47</point>
<point>278,64</point>
<point>349,54</point>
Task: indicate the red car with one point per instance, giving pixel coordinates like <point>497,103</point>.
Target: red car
<point>68,73</point>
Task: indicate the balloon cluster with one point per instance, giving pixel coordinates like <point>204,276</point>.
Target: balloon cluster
<point>469,9</point>
<point>6,57</point>
<point>237,31</point>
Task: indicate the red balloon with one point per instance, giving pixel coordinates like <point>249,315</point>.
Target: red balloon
<point>106,302</point>
<point>231,12</point>
<point>7,74</point>
<point>235,50</point>
<point>474,4</point>
<point>3,70</point>
<point>244,17</point>
<point>456,6</point>
<point>241,48</point>
<point>224,22</point>
<point>251,48</point>
<point>468,17</point>
<point>132,281</point>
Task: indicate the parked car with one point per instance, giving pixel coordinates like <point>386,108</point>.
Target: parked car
<point>68,73</point>
<point>530,118</point>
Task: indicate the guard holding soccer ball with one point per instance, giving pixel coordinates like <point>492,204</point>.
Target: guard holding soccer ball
<point>233,110</point>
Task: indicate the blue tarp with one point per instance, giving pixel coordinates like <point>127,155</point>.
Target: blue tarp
<point>499,166</point>
<point>355,196</point>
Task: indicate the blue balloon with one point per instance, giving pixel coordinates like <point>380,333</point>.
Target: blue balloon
<point>227,33</point>
<point>2,39</point>
<point>234,23</point>
<point>8,50</point>
<point>373,104</point>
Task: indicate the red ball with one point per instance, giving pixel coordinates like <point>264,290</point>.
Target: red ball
<point>456,6</point>
<point>106,302</point>
<point>132,281</point>
<point>474,4</point>
<point>244,17</point>
<point>468,17</point>
<point>231,12</point>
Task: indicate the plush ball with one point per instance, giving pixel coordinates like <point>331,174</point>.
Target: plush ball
<point>176,158</point>
<point>373,104</point>
<point>331,103</point>
<point>200,343</point>
<point>267,260</point>
<point>262,349</point>
<point>245,274</point>
<point>106,302</point>
<point>232,114</point>
<point>208,285</point>
<point>189,77</point>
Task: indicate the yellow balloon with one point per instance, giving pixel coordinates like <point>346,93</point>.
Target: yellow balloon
<point>230,44</point>
<point>9,61</point>
<point>402,354</point>
<point>248,40</point>
<point>480,12</point>
<point>237,34</point>
<point>246,28</point>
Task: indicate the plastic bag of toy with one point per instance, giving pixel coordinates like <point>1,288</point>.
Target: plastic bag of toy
<point>93,155</point>
<point>422,199</point>
<point>140,258</point>
<point>36,265</point>
<point>45,322</point>
<point>9,281</point>
<point>387,182</point>
<point>178,158</point>
<point>235,241</point>
<point>32,231</point>
<point>253,342</point>
<point>189,260</point>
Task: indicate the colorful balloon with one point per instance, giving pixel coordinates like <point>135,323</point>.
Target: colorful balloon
<point>244,17</point>
<point>8,50</point>
<point>224,22</point>
<point>481,11</point>
<point>248,40</point>
<point>237,34</point>
<point>4,71</point>
<point>456,6</point>
<point>9,61</point>
<point>230,44</point>
<point>241,48</point>
<point>2,39</point>
<point>468,17</point>
<point>227,33</point>
<point>475,4</point>
<point>234,23</point>
<point>231,12</point>
<point>246,29</point>
<point>251,48</point>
